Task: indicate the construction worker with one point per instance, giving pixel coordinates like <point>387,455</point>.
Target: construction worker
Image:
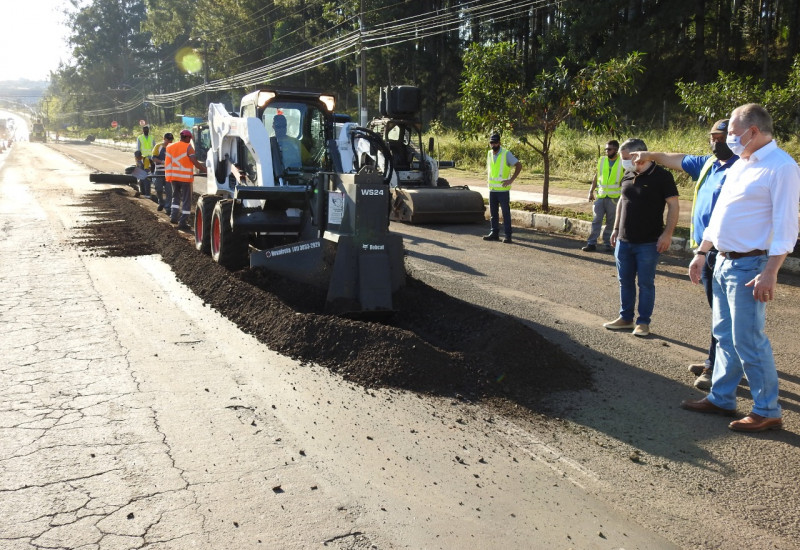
<point>607,183</point>
<point>145,143</point>
<point>179,163</point>
<point>163,189</point>
<point>499,162</point>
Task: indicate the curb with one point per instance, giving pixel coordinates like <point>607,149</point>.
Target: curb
<point>561,224</point>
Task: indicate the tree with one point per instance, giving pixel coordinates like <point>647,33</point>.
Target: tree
<point>494,97</point>
<point>717,99</point>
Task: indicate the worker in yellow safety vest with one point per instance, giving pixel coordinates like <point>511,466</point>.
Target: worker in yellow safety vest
<point>606,182</point>
<point>145,143</point>
<point>179,163</point>
<point>499,162</point>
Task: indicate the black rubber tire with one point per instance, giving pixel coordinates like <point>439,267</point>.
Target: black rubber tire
<point>228,247</point>
<point>441,182</point>
<point>115,179</point>
<point>203,213</point>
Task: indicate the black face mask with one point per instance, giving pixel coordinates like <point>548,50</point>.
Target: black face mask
<point>721,150</point>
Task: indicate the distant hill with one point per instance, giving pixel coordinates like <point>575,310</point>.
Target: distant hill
<point>24,91</point>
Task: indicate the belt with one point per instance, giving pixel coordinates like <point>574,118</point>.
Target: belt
<point>737,255</point>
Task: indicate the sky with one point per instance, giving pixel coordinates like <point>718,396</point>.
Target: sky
<point>32,38</point>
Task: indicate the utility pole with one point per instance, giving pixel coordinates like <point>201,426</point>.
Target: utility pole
<point>205,74</point>
<point>362,99</point>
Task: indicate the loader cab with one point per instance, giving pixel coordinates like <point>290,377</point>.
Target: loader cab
<point>299,125</point>
<point>404,140</point>
<point>201,135</point>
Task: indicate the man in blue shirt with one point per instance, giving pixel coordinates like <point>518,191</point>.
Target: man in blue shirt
<point>708,171</point>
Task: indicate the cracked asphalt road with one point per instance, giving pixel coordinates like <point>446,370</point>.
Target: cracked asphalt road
<point>204,438</point>
<point>133,416</point>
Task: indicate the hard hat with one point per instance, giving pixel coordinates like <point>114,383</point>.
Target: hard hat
<point>186,133</point>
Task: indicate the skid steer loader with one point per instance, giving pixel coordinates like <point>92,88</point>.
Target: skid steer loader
<point>286,193</point>
<point>419,195</point>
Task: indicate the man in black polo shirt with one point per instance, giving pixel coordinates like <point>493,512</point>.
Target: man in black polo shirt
<point>640,235</point>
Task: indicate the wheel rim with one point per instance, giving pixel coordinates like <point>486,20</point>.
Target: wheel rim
<point>198,227</point>
<point>215,236</point>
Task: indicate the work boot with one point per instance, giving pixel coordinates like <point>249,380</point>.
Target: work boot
<point>184,227</point>
<point>491,237</point>
<point>507,240</point>
<point>589,248</point>
<point>703,381</point>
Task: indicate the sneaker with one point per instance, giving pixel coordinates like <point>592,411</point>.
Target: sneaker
<point>641,330</point>
<point>619,324</point>
<point>697,368</point>
<point>507,240</point>
<point>491,237</point>
<point>703,381</point>
<point>589,248</point>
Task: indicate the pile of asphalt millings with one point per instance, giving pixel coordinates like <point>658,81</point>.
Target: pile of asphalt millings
<point>433,344</point>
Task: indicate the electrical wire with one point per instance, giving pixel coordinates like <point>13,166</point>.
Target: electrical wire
<point>382,35</point>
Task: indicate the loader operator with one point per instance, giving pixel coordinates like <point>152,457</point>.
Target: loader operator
<point>293,154</point>
<point>179,163</point>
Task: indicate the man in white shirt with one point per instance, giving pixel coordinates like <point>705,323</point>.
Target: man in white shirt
<point>754,226</point>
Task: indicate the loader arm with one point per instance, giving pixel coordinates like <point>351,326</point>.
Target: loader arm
<point>227,134</point>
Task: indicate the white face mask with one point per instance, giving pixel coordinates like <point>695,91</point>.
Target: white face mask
<point>735,144</point>
<point>627,164</point>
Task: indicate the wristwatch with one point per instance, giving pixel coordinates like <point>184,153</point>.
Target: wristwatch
<point>698,252</point>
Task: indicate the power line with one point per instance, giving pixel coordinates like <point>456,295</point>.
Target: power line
<point>381,35</point>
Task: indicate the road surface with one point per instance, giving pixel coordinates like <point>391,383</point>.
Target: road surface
<point>135,417</point>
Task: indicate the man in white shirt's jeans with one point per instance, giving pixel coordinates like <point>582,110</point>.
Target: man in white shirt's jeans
<point>754,226</point>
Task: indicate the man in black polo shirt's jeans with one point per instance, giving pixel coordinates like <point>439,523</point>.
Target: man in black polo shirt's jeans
<point>640,235</point>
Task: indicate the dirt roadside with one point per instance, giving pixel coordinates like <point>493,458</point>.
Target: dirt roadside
<point>682,476</point>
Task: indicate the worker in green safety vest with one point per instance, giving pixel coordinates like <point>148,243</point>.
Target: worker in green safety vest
<point>709,172</point>
<point>145,143</point>
<point>499,162</point>
<point>606,182</point>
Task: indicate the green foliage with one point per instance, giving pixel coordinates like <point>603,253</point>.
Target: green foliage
<point>491,88</point>
<point>717,99</point>
<point>494,96</point>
